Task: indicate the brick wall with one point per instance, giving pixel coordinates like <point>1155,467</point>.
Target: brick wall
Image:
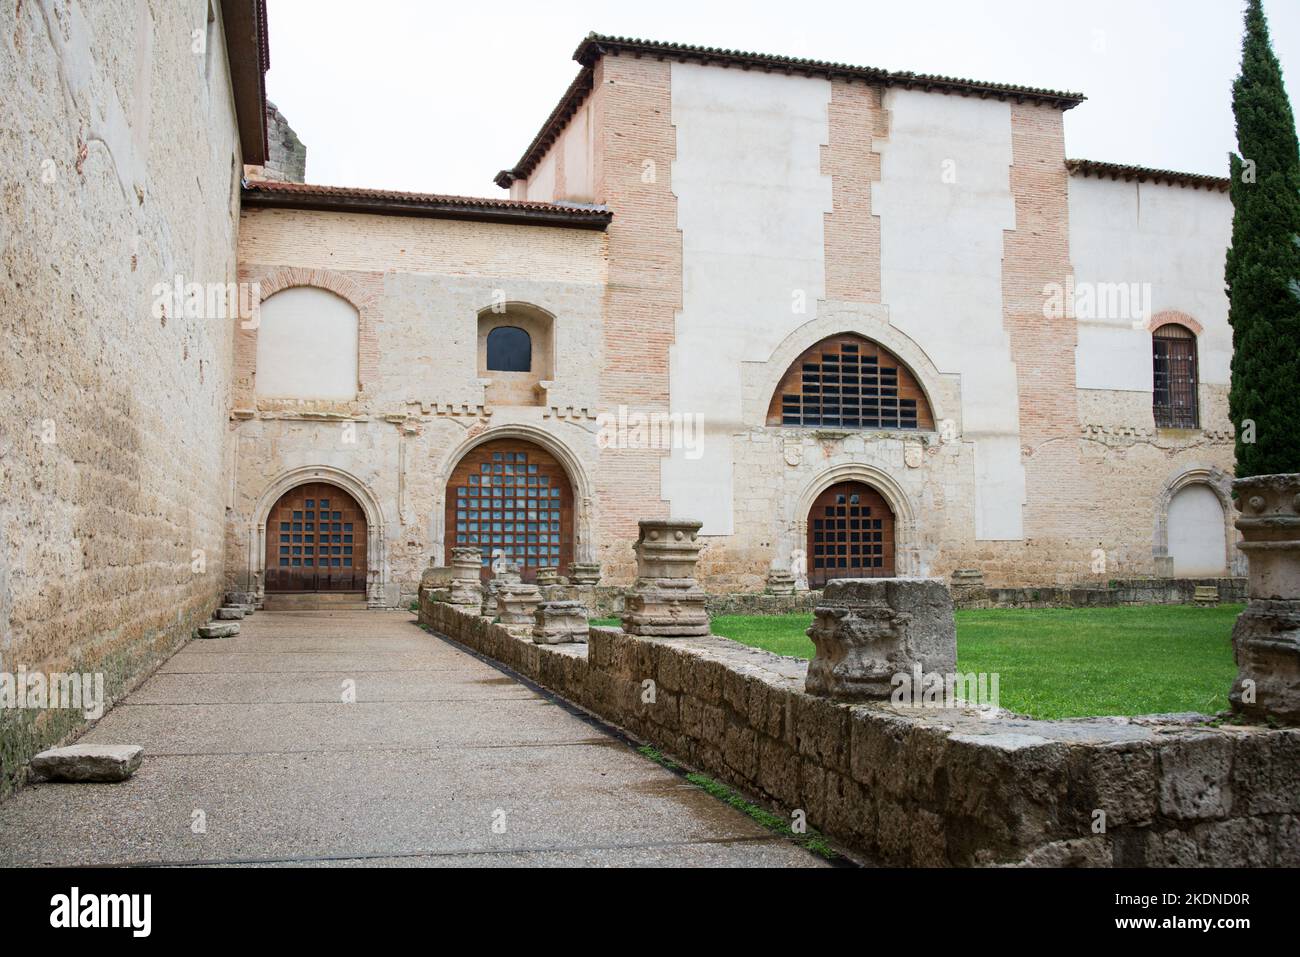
<point>636,144</point>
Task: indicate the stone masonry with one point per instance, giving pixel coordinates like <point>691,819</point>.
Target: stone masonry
<point>924,788</point>
<point>869,630</point>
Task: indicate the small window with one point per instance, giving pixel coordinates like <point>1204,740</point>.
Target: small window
<point>1173,357</point>
<point>509,349</point>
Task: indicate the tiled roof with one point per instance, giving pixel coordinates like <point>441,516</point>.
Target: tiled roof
<point>278,195</point>
<point>597,45</point>
<point>1082,167</point>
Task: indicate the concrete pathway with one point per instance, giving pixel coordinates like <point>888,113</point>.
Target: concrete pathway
<point>253,757</point>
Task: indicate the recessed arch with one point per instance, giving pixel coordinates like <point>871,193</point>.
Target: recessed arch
<point>376,539</point>
<point>907,560</point>
<point>1220,483</point>
<point>516,353</point>
<point>578,475</point>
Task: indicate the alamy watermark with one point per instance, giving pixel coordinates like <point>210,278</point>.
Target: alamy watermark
<point>932,689</point>
<point>659,431</point>
<point>1126,301</point>
<point>179,299</point>
<point>25,690</point>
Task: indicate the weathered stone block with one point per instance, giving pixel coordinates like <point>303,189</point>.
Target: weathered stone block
<point>666,601</point>
<point>229,614</point>
<point>218,629</point>
<point>1266,638</point>
<point>1194,776</point>
<point>517,603</point>
<point>88,762</point>
<point>868,630</point>
<point>780,582</point>
<point>558,622</point>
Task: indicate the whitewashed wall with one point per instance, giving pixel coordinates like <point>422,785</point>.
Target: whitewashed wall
<point>941,273</point>
<point>1170,237</point>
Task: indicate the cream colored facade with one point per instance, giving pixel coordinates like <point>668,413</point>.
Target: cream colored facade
<point>114,407</point>
<point>932,223</point>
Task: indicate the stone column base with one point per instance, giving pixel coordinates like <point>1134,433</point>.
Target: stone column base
<point>666,608</point>
<point>868,630</point>
<point>1266,646</point>
<point>560,622</point>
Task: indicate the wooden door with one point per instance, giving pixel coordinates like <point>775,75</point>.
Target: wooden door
<point>850,534</point>
<point>316,541</point>
<point>512,497</point>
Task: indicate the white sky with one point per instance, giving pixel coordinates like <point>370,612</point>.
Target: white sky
<point>437,97</point>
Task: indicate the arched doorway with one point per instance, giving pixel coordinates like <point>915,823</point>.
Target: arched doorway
<point>850,534</point>
<point>1198,542</point>
<point>511,497</point>
<point>316,541</point>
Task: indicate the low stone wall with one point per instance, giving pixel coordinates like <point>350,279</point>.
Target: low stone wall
<point>1137,591</point>
<point>905,786</point>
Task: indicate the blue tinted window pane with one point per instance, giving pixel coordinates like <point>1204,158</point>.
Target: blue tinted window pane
<point>509,349</point>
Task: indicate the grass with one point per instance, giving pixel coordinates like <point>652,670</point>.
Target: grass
<point>810,840</point>
<point>1068,662</point>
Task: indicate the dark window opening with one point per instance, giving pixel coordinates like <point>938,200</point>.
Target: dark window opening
<point>509,349</point>
<point>1173,352</point>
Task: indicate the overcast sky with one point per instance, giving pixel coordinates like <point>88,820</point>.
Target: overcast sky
<point>436,96</point>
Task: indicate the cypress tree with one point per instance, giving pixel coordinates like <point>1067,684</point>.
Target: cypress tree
<point>1263,264</point>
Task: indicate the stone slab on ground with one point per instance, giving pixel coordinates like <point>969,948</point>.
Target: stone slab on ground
<point>288,773</point>
<point>229,614</point>
<point>218,629</point>
<point>88,762</point>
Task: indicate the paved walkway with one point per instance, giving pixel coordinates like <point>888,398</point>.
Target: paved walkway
<point>441,760</point>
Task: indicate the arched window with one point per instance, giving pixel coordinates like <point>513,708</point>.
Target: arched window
<point>509,349</point>
<point>848,382</point>
<point>1173,358</point>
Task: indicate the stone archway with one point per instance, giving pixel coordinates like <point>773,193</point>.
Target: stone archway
<point>316,541</point>
<point>376,563</point>
<point>443,536</point>
<point>1218,482</point>
<point>512,498</point>
<point>906,550</point>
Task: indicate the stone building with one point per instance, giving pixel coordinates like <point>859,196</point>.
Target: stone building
<point>126,126</point>
<point>856,322</point>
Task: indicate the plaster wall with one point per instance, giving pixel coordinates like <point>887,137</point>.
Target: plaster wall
<point>944,199</point>
<point>751,201</point>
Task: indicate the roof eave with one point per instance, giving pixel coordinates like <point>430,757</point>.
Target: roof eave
<point>1144,174</point>
<point>255,198</point>
<point>244,24</point>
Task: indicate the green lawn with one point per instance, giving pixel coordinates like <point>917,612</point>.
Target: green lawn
<point>1059,663</point>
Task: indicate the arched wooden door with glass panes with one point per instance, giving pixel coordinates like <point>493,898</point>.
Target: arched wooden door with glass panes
<point>513,498</point>
<point>850,534</point>
<point>316,541</point>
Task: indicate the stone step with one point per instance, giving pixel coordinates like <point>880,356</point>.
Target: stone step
<point>88,762</point>
<point>219,629</point>
<point>316,601</point>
